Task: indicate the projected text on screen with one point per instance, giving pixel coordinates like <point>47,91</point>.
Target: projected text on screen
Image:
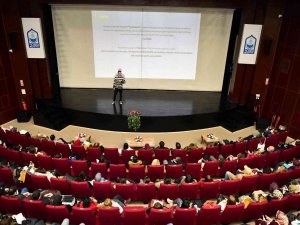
<point>151,45</point>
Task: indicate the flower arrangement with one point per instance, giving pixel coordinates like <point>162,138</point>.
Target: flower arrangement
<point>138,139</point>
<point>134,120</point>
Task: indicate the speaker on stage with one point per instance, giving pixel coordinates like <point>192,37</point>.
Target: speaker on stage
<point>261,124</point>
<point>23,116</point>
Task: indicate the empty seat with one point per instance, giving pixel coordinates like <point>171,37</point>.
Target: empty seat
<point>27,158</point>
<point>195,154</point>
<point>180,153</point>
<point>293,202</point>
<point>6,175</point>
<point>48,147</point>
<point>10,205</point>
<point>260,161</point>
<point>35,142</point>
<point>276,204</point>
<point>226,150</point>
<point>38,181</point>
<point>245,162</point>
<point>83,215</point>
<point>208,216</point>
<point>146,155</point>
<point>14,156</point>
<point>272,158</point>
<point>254,210</point>
<point>264,180</point>
<point>248,184</point>
<point>212,150</point>
<point>210,168</point>
<point>252,144</point>
<point>239,147</point>
<point>126,155</point>
<point>45,162</point>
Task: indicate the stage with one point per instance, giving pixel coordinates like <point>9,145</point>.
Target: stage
<point>161,110</point>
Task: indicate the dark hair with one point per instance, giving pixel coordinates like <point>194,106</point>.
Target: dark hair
<point>146,180</point>
<point>158,205</point>
<point>52,137</point>
<point>167,180</point>
<point>27,134</point>
<point>125,146</point>
<point>185,204</point>
<point>36,195</point>
<point>188,178</point>
<point>161,144</point>
<point>86,202</point>
<point>102,158</point>
<point>178,145</point>
<point>12,190</point>
<point>101,149</point>
<point>231,200</point>
<point>134,159</point>
<point>122,180</point>
<point>57,200</point>
<point>208,178</point>
<point>82,175</point>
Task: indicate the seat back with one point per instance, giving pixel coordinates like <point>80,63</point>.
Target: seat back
<point>126,155</point>
<point>117,170</point>
<point>162,154</point>
<point>37,182</point>
<point>80,189</point>
<point>6,175</point>
<point>156,172</point>
<point>174,171</point>
<point>248,184</point>
<point>208,216</point>
<point>78,166</point>
<point>48,147</point>
<point>93,153</point>
<point>252,144</point>
<point>83,215</point>
<point>239,147</point>
<point>230,187</point>
<point>228,166</point>
<point>210,168</point>
<point>56,214</point>
<point>195,154</point>
<point>226,150</point>
<point>194,169</point>
<point>180,153</point>
<point>79,150</point>
<point>12,205</point>
<point>98,168</point>
<point>168,191</point>
<point>111,154</point>
<point>136,173</point>
<point>146,155</point>
<point>189,190</point>
<point>63,149</point>
<point>60,184</point>
<point>255,210</point>
<point>160,216</point>
<point>27,158</point>
<point>102,190</point>
<point>276,204</point>
<point>34,208</point>
<point>62,165</point>
<point>272,158</point>
<point>45,162</point>
<point>145,192</point>
<point>245,162</point>
<point>109,216</point>
<point>232,213</point>
<point>127,191</point>
<point>134,215</point>
<point>212,150</point>
<point>185,216</point>
<point>264,180</point>
<point>209,189</point>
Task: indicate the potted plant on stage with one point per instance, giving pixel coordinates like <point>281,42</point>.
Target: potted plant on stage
<point>134,120</point>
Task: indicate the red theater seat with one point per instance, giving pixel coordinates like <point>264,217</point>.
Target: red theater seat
<point>185,216</point>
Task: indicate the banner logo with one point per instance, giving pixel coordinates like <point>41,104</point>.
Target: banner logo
<point>250,44</point>
<point>33,39</point>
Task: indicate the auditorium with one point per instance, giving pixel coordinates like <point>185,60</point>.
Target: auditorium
<point>149,112</point>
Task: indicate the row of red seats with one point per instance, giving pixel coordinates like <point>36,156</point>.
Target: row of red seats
<point>63,165</point>
<point>145,192</point>
<point>137,215</point>
<point>52,148</point>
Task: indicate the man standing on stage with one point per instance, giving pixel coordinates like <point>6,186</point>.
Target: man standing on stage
<point>118,85</point>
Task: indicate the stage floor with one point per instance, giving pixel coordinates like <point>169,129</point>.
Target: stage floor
<point>148,102</point>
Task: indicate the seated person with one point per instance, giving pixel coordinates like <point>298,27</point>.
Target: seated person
<point>246,172</point>
<point>99,178</point>
<point>156,204</point>
<point>88,202</point>
<point>223,201</point>
<point>166,180</point>
<point>155,162</point>
<point>117,201</point>
<point>134,161</point>
<point>125,147</point>
<point>177,145</point>
<point>146,180</point>
<point>50,197</point>
<point>161,145</point>
<point>185,203</point>
<point>186,179</point>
